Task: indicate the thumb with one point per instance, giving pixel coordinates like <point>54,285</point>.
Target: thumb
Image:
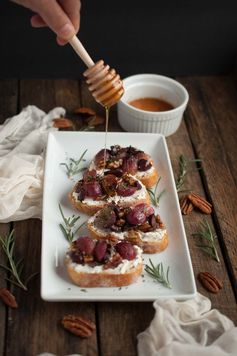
<point>56,19</point>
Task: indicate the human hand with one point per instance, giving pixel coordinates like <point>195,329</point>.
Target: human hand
<point>61,16</point>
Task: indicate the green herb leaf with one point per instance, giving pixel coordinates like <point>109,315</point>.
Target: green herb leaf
<point>68,227</point>
<point>155,197</point>
<point>15,267</point>
<point>158,273</point>
<point>205,233</point>
<point>74,166</point>
<point>184,165</point>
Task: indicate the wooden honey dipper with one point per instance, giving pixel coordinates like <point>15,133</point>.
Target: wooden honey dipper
<point>103,82</point>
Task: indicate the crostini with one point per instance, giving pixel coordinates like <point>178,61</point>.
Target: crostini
<point>96,263</point>
<point>126,160</point>
<point>95,191</point>
<point>138,225</point>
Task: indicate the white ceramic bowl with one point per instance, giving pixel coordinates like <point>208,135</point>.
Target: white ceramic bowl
<point>152,86</point>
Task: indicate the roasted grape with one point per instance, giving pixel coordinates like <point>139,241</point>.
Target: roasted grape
<point>92,189</point>
<point>105,218</point>
<point>116,172</point>
<point>136,216</point>
<point>89,175</point>
<point>152,221</point>
<point>100,157</point>
<point>147,209</point>
<point>142,155</point>
<point>109,184</point>
<point>143,165</point>
<point>85,244</point>
<point>122,153</point>
<point>129,165</point>
<point>125,190</point>
<point>80,191</point>
<point>100,250</point>
<point>126,250</point>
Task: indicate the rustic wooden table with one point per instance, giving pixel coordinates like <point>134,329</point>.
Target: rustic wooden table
<point>208,132</point>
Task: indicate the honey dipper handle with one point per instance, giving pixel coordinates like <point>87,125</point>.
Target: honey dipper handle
<point>80,50</point>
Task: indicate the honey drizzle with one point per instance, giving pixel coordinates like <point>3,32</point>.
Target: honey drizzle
<point>106,131</point>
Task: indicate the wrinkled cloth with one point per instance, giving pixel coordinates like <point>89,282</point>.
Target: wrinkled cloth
<point>187,328</point>
<point>23,139</point>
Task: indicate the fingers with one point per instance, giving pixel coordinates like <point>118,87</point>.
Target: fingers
<point>37,22</point>
<point>61,16</point>
<point>72,9</point>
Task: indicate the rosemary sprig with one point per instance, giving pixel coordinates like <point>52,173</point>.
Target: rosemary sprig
<point>155,198</point>
<point>209,236</point>
<point>184,164</point>
<point>87,128</point>
<point>15,267</point>
<point>68,226</point>
<point>73,167</point>
<point>158,273</point>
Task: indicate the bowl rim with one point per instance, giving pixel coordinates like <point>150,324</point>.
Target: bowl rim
<point>157,76</point>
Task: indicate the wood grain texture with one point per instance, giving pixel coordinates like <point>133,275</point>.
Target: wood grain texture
<point>224,301</point>
<point>212,125</point>
<point>8,107</point>
<point>35,326</point>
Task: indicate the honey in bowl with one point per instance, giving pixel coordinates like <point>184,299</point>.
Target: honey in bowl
<point>151,104</point>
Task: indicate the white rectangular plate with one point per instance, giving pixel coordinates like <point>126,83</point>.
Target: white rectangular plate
<point>55,284</point>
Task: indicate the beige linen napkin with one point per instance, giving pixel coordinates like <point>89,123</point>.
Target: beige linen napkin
<point>188,328</point>
<point>23,139</point>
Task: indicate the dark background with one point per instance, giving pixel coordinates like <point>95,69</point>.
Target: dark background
<point>183,37</point>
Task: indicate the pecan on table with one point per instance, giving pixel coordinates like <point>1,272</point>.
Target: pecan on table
<point>200,203</point>
<point>8,298</point>
<point>78,325</point>
<point>186,206</point>
<point>210,282</point>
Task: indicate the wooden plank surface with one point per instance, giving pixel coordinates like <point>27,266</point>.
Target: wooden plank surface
<point>41,320</point>
<point>224,301</point>
<point>212,126</point>
<point>202,134</point>
<point>8,107</point>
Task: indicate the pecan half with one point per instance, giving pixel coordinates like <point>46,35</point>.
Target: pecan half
<point>134,237</point>
<point>62,123</point>
<point>84,111</point>
<point>186,206</point>
<point>114,262</point>
<point>78,325</point>
<point>210,282</point>
<point>146,227</point>
<point>159,222</point>
<point>8,298</point>
<point>200,203</point>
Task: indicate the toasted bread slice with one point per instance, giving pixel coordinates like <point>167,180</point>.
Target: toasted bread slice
<point>117,271</point>
<point>90,205</point>
<point>128,160</point>
<point>151,238</point>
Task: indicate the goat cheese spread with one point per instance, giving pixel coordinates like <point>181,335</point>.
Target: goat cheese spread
<point>124,267</point>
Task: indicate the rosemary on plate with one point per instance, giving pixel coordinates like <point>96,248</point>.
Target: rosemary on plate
<point>87,128</point>
<point>206,234</point>
<point>15,268</point>
<point>74,166</point>
<point>158,273</point>
<point>68,227</point>
<point>184,164</point>
<point>155,197</point>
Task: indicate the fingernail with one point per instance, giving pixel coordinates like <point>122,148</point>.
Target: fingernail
<point>66,32</point>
